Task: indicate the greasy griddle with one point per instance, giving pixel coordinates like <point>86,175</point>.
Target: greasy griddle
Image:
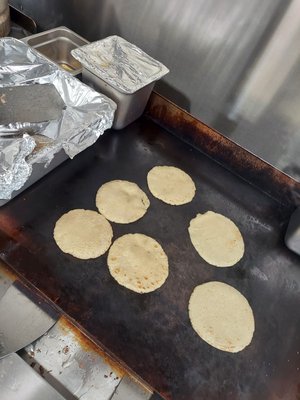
<point>151,333</point>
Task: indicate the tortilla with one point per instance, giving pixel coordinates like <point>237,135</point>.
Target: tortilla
<point>171,185</point>
<point>217,239</point>
<point>122,201</point>
<point>83,234</point>
<point>138,262</point>
<point>221,316</point>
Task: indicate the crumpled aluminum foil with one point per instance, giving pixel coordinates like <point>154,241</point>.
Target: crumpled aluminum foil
<point>14,170</point>
<point>86,116</point>
<point>120,64</point>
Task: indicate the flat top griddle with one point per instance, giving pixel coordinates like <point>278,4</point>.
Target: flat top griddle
<point>151,333</point>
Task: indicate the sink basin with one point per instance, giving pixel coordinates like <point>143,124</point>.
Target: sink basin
<point>57,44</point>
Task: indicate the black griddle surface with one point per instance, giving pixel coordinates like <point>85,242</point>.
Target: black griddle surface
<point>151,333</point>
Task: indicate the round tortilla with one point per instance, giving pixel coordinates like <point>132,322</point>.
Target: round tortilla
<point>138,262</point>
<point>83,234</point>
<point>221,316</point>
<point>217,239</point>
<point>171,185</point>
<point>122,201</point>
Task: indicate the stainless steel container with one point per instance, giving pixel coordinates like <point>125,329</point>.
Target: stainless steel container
<point>129,106</point>
<point>57,44</point>
<point>121,71</point>
<point>29,150</point>
<point>4,18</point>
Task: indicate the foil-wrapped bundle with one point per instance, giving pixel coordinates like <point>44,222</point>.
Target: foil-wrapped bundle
<point>23,145</point>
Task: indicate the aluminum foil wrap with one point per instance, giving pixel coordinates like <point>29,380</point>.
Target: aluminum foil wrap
<point>120,64</point>
<point>86,115</point>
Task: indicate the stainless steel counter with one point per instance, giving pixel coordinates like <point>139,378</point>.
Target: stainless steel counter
<point>19,381</point>
<point>59,366</point>
<point>72,365</point>
<point>64,364</point>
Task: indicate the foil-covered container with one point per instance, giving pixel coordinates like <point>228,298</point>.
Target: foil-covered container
<point>123,72</point>
<point>30,150</point>
<point>120,64</point>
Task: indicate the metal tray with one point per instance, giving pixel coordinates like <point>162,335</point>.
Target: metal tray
<point>57,44</point>
<point>151,333</point>
<point>84,117</point>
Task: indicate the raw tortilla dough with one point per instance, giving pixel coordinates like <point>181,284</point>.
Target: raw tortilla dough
<point>83,234</point>
<point>138,262</point>
<point>221,316</point>
<point>217,239</point>
<point>171,185</point>
<point>121,201</point>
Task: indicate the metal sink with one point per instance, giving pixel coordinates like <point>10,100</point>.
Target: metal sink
<point>57,44</point>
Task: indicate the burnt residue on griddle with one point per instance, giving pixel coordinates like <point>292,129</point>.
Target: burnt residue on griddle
<point>88,345</point>
<point>223,150</point>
